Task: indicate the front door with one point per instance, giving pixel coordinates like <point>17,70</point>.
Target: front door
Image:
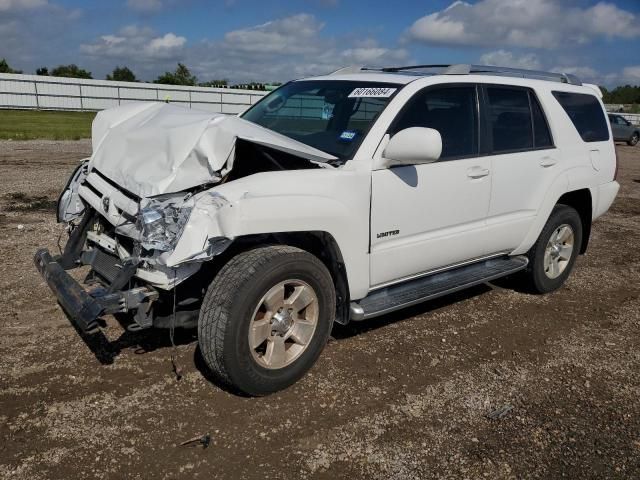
<point>428,216</point>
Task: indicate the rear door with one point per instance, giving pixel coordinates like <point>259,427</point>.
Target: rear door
<point>432,215</point>
<point>524,162</point>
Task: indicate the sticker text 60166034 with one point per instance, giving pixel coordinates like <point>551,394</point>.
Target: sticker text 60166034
<point>372,92</point>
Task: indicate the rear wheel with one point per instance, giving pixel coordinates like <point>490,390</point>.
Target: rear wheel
<point>266,318</point>
<point>634,139</point>
<point>552,257</point>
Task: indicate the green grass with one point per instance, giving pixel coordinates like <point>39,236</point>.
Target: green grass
<point>32,125</point>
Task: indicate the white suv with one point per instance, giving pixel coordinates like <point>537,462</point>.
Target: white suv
<point>335,198</point>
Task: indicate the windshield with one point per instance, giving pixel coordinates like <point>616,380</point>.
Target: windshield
<point>331,115</point>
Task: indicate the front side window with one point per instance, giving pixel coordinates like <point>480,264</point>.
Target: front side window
<point>586,114</point>
<point>331,115</point>
<point>452,111</point>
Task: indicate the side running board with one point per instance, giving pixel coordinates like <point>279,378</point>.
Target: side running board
<point>425,288</point>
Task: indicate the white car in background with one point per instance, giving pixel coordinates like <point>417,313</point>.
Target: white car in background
<point>334,199</point>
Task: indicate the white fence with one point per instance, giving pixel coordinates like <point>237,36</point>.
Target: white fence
<point>54,93</point>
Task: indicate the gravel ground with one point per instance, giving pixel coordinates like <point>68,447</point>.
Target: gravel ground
<point>404,396</point>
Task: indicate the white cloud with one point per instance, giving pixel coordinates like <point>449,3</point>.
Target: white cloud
<point>585,73</point>
<point>32,32</point>
<point>631,74</point>
<point>169,41</point>
<point>523,23</point>
<point>136,43</point>
<point>504,58</point>
<point>7,5</point>
<point>286,48</point>
<point>285,36</point>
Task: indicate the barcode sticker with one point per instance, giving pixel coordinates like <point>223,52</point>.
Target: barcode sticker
<point>372,92</point>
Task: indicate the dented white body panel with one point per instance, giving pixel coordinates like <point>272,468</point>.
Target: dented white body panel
<point>335,201</point>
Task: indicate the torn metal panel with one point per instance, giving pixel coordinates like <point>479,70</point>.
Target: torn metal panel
<point>154,148</point>
<point>70,205</point>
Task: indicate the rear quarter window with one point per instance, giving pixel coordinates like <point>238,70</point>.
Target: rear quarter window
<point>586,114</point>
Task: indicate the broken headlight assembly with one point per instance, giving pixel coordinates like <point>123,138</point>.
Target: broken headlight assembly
<point>161,221</point>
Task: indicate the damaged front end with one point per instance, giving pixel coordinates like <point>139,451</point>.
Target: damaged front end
<point>136,250</point>
<point>143,213</point>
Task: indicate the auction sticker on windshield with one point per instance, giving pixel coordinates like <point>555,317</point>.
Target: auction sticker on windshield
<point>372,92</point>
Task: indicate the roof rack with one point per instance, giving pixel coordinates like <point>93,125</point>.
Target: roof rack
<point>466,69</point>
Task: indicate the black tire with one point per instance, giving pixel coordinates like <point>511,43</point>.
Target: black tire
<point>534,277</point>
<point>633,141</point>
<point>230,302</point>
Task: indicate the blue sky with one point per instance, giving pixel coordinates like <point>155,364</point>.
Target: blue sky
<point>244,40</point>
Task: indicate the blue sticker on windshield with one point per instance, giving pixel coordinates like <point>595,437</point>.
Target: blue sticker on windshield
<point>348,135</point>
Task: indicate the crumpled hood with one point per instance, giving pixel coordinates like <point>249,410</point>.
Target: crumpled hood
<point>155,148</point>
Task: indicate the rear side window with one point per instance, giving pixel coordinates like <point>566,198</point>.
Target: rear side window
<point>586,114</point>
<point>452,111</point>
<point>516,120</point>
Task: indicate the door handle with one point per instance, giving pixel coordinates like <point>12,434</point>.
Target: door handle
<point>548,162</point>
<point>477,172</point>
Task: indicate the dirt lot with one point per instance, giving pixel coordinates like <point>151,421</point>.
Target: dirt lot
<point>405,396</point>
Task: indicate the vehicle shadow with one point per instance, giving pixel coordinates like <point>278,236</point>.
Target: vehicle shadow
<point>143,341</point>
<point>353,329</point>
<point>106,351</point>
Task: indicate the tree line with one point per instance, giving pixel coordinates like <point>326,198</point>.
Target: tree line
<point>626,94</point>
<point>180,76</point>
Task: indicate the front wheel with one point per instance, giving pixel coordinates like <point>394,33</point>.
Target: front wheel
<point>266,318</point>
<point>552,257</point>
<point>634,139</point>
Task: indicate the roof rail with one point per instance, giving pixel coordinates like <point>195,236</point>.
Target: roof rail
<point>466,69</point>
<point>349,69</point>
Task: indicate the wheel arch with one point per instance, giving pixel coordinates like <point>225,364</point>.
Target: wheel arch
<point>581,201</point>
<point>318,243</point>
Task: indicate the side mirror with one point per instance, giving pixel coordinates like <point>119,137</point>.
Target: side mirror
<point>413,146</point>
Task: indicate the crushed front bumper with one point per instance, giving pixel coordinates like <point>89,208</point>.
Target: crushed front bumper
<point>83,307</point>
